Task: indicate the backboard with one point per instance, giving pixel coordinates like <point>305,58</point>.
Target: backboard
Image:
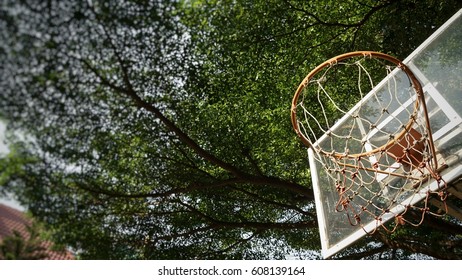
<point>437,64</point>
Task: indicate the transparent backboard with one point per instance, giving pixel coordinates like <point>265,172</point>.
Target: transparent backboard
<point>437,63</point>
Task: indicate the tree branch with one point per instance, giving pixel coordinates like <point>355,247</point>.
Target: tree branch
<point>234,245</point>
<point>363,254</point>
<point>366,17</point>
<point>278,204</point>
<point>247,224</point>
<point>187,233</point>
<point>415,245</point>
<point>130,92</point>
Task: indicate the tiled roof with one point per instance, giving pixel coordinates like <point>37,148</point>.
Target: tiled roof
<point>11,219</point>
<point>14,220</point>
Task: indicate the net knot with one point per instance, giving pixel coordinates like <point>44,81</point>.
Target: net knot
<point>340,188</point>
<point>333,62</point>
<point>400,220</point>
<point>367,54</point>
<point>443,194</point>
<point>401,66</point>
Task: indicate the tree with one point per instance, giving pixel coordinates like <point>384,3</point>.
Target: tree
<point>161,130</point>
<point>20,247</point>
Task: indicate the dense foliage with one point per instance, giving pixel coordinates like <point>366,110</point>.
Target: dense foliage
<point>160,129</point>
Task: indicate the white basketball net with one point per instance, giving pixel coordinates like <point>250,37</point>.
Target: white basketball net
<point>371,136</point>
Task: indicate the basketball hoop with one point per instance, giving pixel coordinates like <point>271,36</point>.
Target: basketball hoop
<point>370,146</point>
